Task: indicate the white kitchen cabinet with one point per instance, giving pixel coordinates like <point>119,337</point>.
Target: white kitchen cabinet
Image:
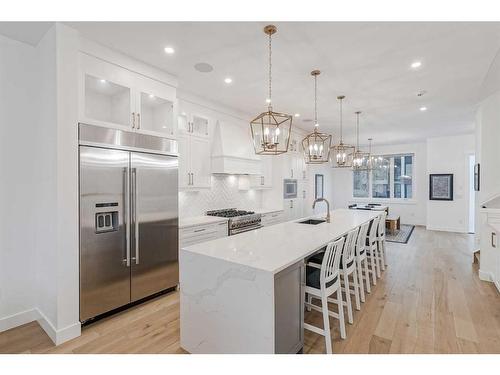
<point>194,162</point>
<point>115,97</point>
<point>202,233</point>
<point>292,209</point>
<point>194,120</point>
<point>272,218</point>
<point>264,180</point>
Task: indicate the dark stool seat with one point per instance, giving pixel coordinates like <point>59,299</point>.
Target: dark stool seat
<point>313,277</point>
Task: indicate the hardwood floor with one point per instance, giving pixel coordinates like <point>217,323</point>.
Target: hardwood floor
<point>429,300</point>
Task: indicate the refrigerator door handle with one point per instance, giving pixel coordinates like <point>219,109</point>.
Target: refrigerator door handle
<point>134,214</point>
<point>126,215</point>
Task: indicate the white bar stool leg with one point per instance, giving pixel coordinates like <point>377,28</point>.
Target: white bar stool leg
<point>326,324</point>
<point>356,288</point>
<point>359,274</point>
<point>348,298</point>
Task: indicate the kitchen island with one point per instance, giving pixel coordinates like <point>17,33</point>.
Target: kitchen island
<point>243,293</point>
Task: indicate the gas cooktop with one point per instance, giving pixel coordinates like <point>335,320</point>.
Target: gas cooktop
<point>229,212</point>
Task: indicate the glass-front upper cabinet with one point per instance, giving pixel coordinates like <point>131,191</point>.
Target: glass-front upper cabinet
<point>107,101</point>
<point>191,120</point>
<point>156,114</point>
<point>116,97</point>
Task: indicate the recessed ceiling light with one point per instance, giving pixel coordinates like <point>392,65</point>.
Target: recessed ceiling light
<point>103,81</point>
<point>297,115</point>
<point>203,67</point>
<point>151,96</point>
<point>423,109</point>
<point>228,80</point>
<point>416,64</point>
<point>169,50</point>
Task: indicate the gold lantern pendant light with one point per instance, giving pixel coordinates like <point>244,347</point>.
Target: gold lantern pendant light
<point>341,154</point>
<point>316,145</point>
<point>271,130</point>
<point>360,159</point>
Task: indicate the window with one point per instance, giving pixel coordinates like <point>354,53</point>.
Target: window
<point>361,184</point>
<point>392,178</point>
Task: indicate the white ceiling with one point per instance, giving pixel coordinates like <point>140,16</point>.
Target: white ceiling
<point>26,32</point>
<point>368,62</point>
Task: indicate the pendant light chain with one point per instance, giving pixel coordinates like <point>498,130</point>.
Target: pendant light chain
<point>341,120</point>
<point>270,70</point>
<point>316,125</point>
<point>357,130</point>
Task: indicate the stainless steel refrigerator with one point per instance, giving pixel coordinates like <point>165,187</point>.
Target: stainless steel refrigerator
<point>128,218</point>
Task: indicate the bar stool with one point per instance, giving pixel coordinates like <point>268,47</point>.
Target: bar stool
<point>322,281</point>
<point>348,267</point>
<point>371,250</point>
<point>362,261</point>
<point>381,241</point>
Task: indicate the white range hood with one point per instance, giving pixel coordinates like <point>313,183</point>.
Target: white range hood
<point>232,150</point>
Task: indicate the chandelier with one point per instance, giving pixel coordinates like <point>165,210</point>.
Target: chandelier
<point>360,159</point>
<point>341,154</point>
<point>316,145</point>
<point>271,130</point>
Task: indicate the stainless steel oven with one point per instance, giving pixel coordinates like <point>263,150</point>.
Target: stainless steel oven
<point>289,188</point>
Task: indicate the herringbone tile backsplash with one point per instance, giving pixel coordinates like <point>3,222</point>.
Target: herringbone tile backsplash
<point>224,193</point>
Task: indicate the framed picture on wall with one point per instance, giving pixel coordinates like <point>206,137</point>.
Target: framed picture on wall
<point>477,176</point>
<point>318,186</point>
<point>441,187</point>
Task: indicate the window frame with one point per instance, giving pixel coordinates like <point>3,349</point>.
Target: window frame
<point>391,197</point>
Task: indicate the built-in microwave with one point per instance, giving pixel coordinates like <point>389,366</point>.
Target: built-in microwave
<point>289,188</point>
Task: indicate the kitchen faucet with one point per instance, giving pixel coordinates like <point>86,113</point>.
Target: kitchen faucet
<point>327,207</point>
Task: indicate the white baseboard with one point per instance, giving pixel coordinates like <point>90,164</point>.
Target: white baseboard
<point>28,316</point>
<point>485,276</point>
<point>444,229</point>
<point>16,320</point>
<point>61,335</point>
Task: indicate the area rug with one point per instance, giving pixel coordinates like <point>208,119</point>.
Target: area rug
<point>401,236</point>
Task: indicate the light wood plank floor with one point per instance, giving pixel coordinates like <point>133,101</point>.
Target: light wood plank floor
<point>429,300</point>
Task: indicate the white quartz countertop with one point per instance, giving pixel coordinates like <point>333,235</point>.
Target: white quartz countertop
<point>276,247</point>
<point>200,220</point>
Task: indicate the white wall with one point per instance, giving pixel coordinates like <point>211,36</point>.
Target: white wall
<point>17,190</point>
<point>436,155</point>
<point>411,211</point>
<point>450,155</point>
<point>40,279</point>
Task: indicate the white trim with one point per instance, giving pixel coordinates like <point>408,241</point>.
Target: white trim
<point>448,229</point>
<point>57,336</point>
<point>485,276</point>
<point>18,319</point>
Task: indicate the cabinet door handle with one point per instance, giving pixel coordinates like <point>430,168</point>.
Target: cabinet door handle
<point>262,180</point>
<point>291,172</point>
<point>138,121</point>
<point>192,178</point>
<point>189,178</point>
<point>493,237</point>
<point>133,120</point>
<point>200,230</point>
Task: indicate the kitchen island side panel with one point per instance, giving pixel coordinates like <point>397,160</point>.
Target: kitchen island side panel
<point>225,307</point>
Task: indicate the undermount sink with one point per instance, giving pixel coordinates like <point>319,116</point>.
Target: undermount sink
<point>312,221</point>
